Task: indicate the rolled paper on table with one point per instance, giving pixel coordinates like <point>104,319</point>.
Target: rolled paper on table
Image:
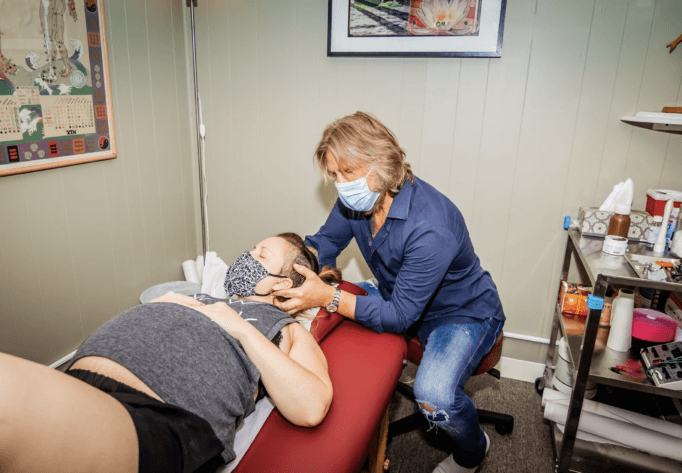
<point>189,267</point>
<point>628,434</point>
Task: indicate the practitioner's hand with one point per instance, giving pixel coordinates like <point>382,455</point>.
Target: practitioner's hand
<point>180,299</point>
<point>313,293</point>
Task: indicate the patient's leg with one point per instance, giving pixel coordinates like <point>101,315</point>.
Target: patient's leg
<point>50,421</point>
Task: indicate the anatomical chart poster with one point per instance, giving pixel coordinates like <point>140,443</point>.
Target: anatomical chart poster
<point>55,97</point>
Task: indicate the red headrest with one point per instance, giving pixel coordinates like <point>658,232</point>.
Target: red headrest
<point>325,322</point>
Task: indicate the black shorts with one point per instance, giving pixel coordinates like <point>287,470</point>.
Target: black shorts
<point>171,439</point>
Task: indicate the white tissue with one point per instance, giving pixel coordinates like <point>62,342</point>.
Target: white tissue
<point>621,193</point>
<point>213,280</point>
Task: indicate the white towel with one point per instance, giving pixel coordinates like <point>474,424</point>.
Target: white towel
<point>200,267</point>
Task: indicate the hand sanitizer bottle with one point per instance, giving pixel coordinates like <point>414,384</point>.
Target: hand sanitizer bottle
<point>652,233</point>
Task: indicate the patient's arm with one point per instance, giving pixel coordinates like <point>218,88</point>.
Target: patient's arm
<point>299,383</point>
<point>296,376</point>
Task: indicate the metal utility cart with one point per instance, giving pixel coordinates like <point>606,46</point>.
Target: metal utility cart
<point>600,270</point>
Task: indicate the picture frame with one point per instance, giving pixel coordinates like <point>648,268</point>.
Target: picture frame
<point>415,28</point>
<point>55,88</point>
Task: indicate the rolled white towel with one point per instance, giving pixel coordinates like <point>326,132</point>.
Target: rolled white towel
<point>189,267</point>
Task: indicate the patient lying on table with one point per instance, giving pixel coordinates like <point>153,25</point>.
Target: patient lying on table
<point>173,378</point>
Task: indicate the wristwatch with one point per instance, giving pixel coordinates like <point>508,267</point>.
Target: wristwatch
<point>334,304</point>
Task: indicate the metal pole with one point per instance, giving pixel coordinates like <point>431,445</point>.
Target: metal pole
<point>582,374</point>
<point>192,4</point>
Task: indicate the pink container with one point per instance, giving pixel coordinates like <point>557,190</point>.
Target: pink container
<point>653,326</point>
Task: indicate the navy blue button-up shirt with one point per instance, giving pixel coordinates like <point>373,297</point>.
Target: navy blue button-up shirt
<point>423,258</point>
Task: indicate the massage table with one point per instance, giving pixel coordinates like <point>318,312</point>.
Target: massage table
<point>364,367</point>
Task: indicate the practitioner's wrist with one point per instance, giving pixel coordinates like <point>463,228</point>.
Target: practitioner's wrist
<point>333,304</point>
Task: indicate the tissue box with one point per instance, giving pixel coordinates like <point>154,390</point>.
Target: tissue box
<point>595,222</point>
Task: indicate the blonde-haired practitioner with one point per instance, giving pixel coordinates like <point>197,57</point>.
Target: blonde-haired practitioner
<point>431,282</point>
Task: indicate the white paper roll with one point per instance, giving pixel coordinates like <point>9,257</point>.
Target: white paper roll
<point>589,437</point>
<point>651,423</point>
<point>630,435</point>
<point>200,268</point>
<point>620,334</point>
<point>189,267</point>
<point>552,395</point>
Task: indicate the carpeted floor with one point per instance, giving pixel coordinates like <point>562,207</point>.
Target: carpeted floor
<point>527,449</point>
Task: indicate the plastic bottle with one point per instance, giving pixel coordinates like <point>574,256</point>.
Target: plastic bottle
<point>676,243</point>
<point>619,224</point>
<point>652,234</point>
<point>659,246</point>
<point>672,226</point>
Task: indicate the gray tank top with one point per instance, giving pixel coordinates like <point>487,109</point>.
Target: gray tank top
<point>188,359</point>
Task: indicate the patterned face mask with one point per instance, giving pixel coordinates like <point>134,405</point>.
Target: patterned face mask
<point>243,275</point>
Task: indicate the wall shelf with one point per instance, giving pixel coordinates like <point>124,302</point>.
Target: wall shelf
<point>668,122</point>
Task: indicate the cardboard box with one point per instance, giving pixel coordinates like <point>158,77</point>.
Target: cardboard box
<point>595,222</point>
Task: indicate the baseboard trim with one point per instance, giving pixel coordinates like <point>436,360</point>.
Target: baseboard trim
<point>520,370</point>
<point>62,360</point>
<point>528,338</point>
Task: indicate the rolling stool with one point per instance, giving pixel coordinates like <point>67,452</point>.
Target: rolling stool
<point>504,423</point>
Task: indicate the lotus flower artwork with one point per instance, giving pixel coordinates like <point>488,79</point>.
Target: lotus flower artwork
<point>444,17</point>
<point>422,28</point>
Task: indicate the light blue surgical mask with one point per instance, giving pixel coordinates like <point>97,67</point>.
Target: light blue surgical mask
<point>356,194</point>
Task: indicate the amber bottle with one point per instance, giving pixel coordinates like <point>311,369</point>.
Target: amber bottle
<point>620,221</point>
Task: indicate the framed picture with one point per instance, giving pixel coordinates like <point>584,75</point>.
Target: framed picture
<point>55,92</point>
<point>415,28</point>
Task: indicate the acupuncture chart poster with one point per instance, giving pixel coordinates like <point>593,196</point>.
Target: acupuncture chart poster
<point>55,97</point>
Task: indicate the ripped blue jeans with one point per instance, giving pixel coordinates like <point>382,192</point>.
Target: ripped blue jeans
<point>451,355</point>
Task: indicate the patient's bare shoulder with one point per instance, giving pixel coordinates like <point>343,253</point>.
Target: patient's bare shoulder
<point>295,334</point>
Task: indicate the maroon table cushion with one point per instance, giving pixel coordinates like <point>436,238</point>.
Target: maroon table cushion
<point>364,367</point>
